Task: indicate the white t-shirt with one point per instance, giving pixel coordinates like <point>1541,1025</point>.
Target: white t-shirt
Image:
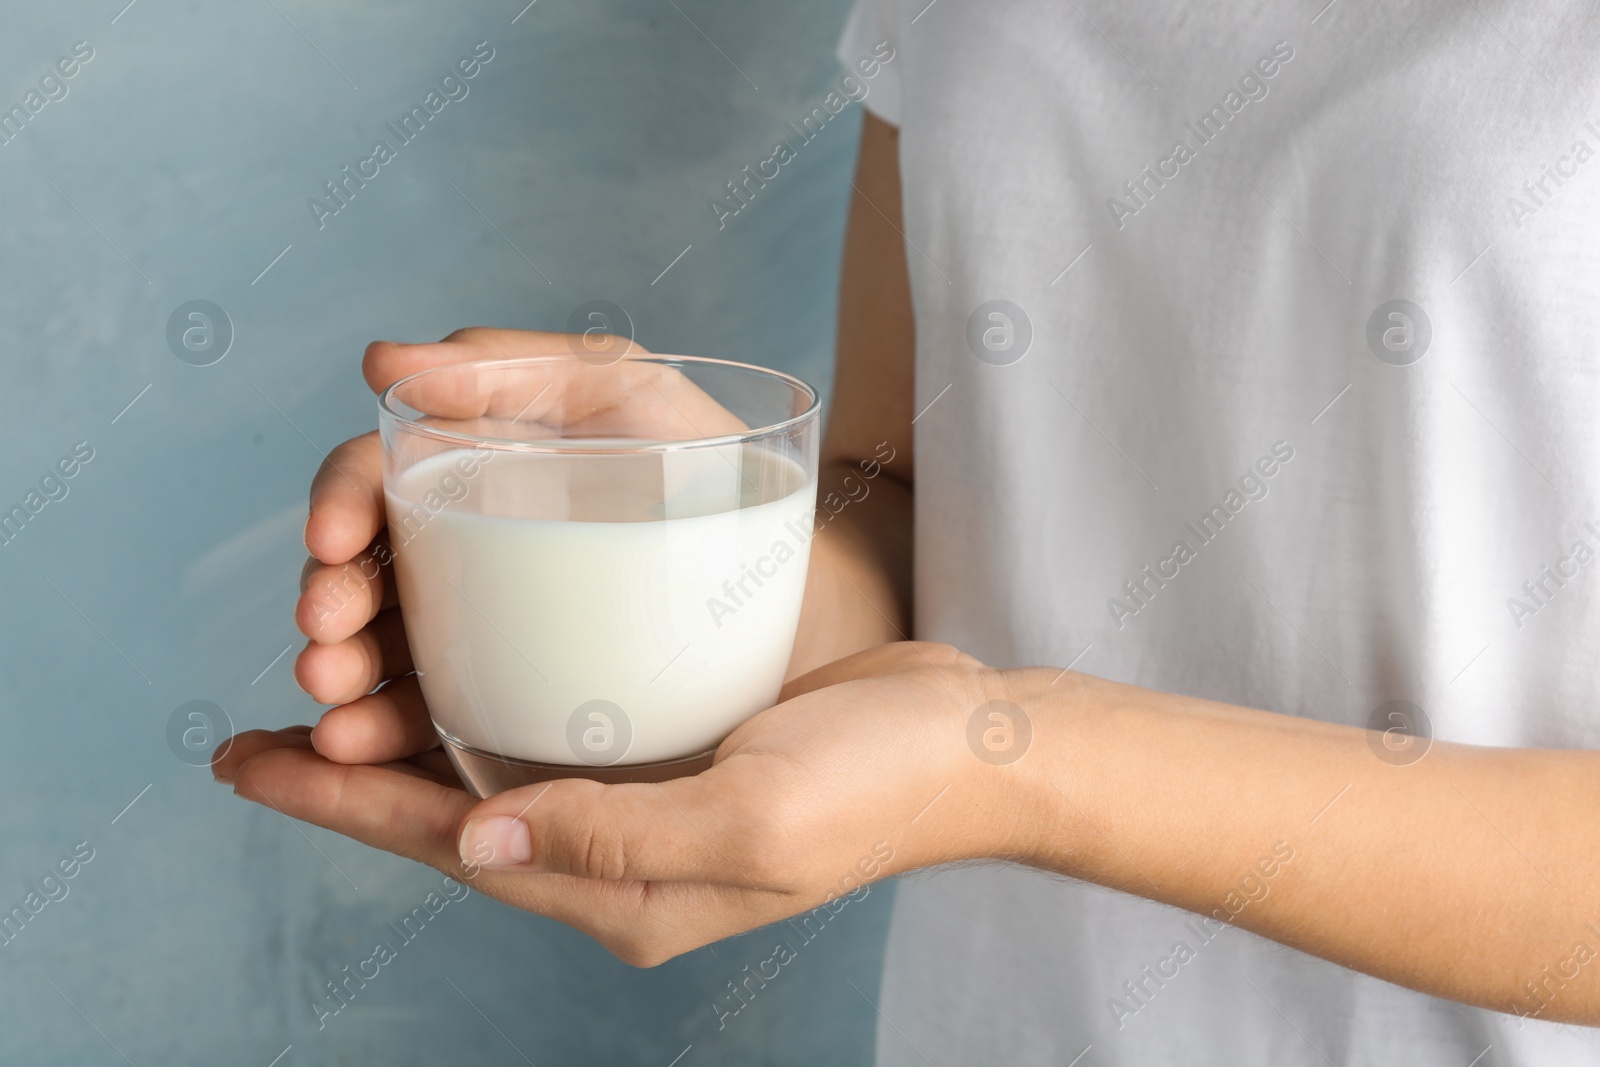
<point>1313,295</point>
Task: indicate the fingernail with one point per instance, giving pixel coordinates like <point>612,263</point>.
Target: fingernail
<point>497,841</point>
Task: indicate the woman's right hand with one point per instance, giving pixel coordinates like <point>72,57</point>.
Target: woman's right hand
<point>348,606</point>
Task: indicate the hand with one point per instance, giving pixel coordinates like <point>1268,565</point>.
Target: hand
<point>860,772</point>
<point>348,607</point>
<point>373,768</point>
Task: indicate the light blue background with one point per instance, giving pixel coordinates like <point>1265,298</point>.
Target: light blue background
<point>182,160</point>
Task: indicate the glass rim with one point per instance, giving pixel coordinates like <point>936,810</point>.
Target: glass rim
<point>387,410</point>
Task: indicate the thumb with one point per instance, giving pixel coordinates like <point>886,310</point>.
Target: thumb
<point>386,362</point>
<point>686,829</point>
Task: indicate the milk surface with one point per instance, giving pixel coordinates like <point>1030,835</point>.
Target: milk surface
<point>600,609</point>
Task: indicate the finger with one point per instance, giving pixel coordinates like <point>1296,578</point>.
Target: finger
<point>693,829</point>
<point>437,763</point>
<point>338,673</point>
<point>346,501</point>
<point>535,393</point>
<point>627,395</point>
<point>409,815</point>
<point>390,724</point>
<point>386,362</point>
<point>426,770</point>
<point>238,749</point>
<point>335,602</point>
<point>401,813</point>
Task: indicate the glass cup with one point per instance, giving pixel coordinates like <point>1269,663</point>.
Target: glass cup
<point>600,567</point>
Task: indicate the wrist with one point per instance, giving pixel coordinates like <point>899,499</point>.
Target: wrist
<point>1015,722</point>
<point>1059,782</point>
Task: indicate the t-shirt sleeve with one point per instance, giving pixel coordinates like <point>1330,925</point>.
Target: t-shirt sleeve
<point>869,36</point>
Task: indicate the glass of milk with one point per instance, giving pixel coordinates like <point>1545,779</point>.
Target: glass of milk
<point>600,566</point>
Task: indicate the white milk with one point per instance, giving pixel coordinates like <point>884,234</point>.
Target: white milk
<point>538,584</point>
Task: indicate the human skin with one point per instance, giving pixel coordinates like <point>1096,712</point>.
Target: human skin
<point>1463,874</point>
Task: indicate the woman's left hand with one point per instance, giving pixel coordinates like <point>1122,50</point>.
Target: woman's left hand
<point>863,770</point>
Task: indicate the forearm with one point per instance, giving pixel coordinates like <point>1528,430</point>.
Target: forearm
<point>858,590</point>
<point>858,583</point>
<point>1466,874</point>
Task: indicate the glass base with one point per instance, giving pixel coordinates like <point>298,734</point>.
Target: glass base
<point>485,774</point>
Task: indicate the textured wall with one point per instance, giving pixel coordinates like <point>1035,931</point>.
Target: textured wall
<point>176,165</point>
